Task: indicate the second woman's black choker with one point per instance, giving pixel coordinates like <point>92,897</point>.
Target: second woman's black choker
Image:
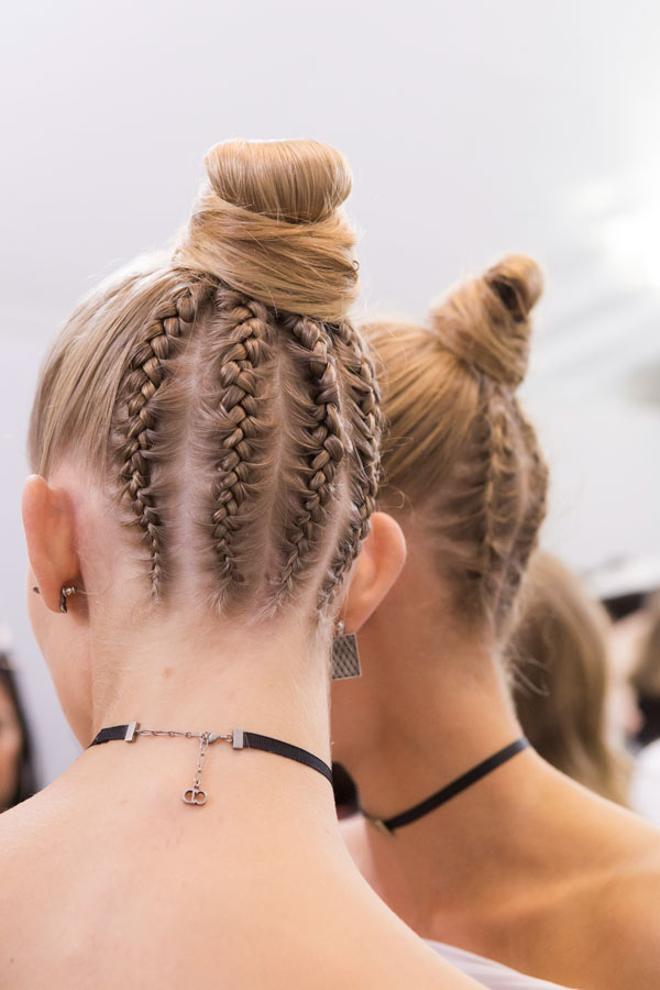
<point>448,792</point>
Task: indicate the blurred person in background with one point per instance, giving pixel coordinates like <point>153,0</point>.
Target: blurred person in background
<point>645,675</point>
<point>17,774</point>
<point>645,681</point>
<point>561,675</point>
<point>466,832</point>
<point>204,442</point>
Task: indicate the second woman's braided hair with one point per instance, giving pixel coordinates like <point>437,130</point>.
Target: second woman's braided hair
<point>459,451</point>
<point>222,394</point>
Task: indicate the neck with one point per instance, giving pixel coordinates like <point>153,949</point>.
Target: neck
<point>198,679</point>
<point>427,729</point>
<point>196,676</point>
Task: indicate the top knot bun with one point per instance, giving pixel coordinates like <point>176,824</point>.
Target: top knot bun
<point>294,181</point>
<point>485,322</point>
<point>268,224</point>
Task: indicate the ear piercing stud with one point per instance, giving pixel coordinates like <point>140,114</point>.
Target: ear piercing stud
<point>66,591</point>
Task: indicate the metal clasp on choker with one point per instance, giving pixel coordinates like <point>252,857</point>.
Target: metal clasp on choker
<point>194,795</point>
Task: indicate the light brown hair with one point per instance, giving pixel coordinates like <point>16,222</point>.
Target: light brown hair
<point>458,451</point>
<point>225,385</point>
<point>558,652</point>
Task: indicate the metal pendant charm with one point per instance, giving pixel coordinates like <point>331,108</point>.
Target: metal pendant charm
<point>195,795</point>
<point>345,657</point>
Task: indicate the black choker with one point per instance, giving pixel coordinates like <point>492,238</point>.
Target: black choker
<point>440,797</point>
<point>239,739</point>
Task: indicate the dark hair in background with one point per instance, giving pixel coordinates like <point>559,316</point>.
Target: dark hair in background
<point>345,791</point>
<point>645,678</point>
<point>27,782</point>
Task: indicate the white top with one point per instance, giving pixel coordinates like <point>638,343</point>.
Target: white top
<point>645,784</point>
<point>489,973</point>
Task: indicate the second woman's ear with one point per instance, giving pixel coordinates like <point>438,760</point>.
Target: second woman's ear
<point>375,571</point>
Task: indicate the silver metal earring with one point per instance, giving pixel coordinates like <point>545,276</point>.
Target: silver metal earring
<point>345,655</point>
<point>65,593</point>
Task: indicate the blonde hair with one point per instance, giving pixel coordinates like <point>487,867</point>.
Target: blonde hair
<point>559,651</point>
<point>226,382</point>
<point>459,452</point>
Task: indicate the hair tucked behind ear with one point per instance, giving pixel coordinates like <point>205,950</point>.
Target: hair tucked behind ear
<point>458,447</point>
<point>222,395</point>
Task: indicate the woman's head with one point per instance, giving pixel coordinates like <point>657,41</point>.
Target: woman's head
<point>17,779</point>
<point>463,475</point>
<point>559,649</point>
<point>462,468</point>
<point>208,423</point>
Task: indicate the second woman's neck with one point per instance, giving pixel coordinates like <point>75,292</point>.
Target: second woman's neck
<point>437,706</point>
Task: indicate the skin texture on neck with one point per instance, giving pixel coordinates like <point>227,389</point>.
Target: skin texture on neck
<point>127,883</point>
<point>257,874</point>
<point>525,867</point>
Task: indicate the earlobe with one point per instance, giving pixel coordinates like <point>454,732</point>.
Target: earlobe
<point>375,571</point>
<point>48,520</point>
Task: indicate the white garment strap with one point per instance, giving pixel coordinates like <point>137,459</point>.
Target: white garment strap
<point>491,974</point>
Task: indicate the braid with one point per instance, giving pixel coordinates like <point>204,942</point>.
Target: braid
<point>323,444</point>
<point>148,370</point>
<point>363,401</point>
<point>537,494</point>
<point>507,545</point>
<point>500,486</point>
<point>245,337</point>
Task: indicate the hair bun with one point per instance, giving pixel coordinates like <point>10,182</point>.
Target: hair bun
<point>485,322</point>
<point>268,224</point>
<point>293,181</point>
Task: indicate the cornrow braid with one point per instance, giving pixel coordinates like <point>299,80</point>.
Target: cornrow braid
<point>323,444</point>
<point>245,334</point>
<point>500,465</point>
<point>526,536</point>
<point>147,371</point>
<point>363,403</point>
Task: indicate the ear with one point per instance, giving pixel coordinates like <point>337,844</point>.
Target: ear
<point>49,523</point>
<point>375,571</point>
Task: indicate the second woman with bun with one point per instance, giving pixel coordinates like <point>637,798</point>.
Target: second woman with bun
<point>465,832</point>
<point>204,445</point>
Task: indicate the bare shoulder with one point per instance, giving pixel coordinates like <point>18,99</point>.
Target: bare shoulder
<point>23,838</point>
<point>625,912</point>
<point>27,838</point>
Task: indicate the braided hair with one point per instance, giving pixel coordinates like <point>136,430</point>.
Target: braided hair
<point>458,449</point>
<point>222,395</point>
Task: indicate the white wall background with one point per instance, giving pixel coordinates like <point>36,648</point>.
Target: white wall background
<point>473,128</point>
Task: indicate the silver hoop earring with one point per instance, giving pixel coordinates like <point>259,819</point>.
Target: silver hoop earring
<point>66,592</point>
<point>345,655</point>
